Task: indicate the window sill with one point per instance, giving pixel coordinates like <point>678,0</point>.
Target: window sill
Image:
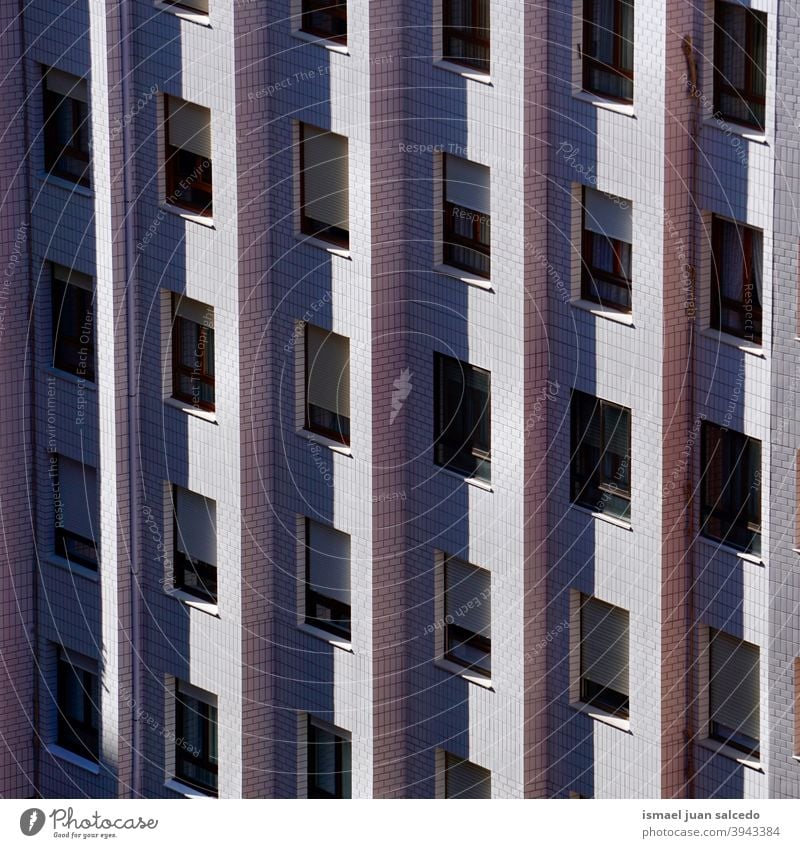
<point>73,568</point>
<point>186,791</point>
<point>604,103</point>
<point>325,442</point>
<point>729,549</point>
<point>193,217</point>
<point>195,603</point>
<point>83,382</point>
<point>463,71</point>
<point>336,641</point>
<point>464,276</point>
<point>731,753</point>
<point>734,341</point>
<point>74,759</point>
<point>328,246</point>
<point>187,408</point>
<point>457,670</point>
<point>310,38</point>
<point>183,14</point>
<point>747,133</point>
<point>625,318</point>
<point>623,724</point>
<point>60,182</point>
<point>470,481</point>
<point>602,516</point>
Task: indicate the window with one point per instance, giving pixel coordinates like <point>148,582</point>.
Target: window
<point>740,62</point>
<point>467,216</point>
<point>607,48</point>
<point>463,779</point>
<point>731,488</point>
<point>465,33</point>
<point>73,322</point>
<point>199,7</point>
<point>468,616</point>
<point>733,692</point>
<point>75,502</point>
<point>188,155</point>
<point>327,375</point>
<point>196,762</point>
<point>324,197</point>
<point>195,535</point>
<point>329,762</point>
<point>736,279</point>
<point>78,702</point>
<point>327,578</point>
<point>796,743</point>
<point>326,18</point>
<point>607,239</point>
<point>601,446</point>
<point>604,656</point>
<point>66,127</point>
<point>193,353</point>
<point>462,437</point>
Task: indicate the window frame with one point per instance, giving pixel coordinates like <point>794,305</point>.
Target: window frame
<point>334,12</point>
<point>68,544</point>
<point>206,759</point>
<point>468,35</point>
<point>591,274</point>
<point>456,635</point>
<point>175,173</point>
<point>313,599</point>
<point>337,236</point>
<point>452,762</point>
<point>591,693</point>
<point>313,790</point>
<point>59,289</point>
<point>590,63</point>
<point>79,737</point>
<point>179,369</point>
<point>343,434</point>
<point>206,572</point>
<point>54,151</point>
<point>452,240</point>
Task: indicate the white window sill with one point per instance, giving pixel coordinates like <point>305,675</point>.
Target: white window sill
<point>729,549</point>
<point>464,276</point>
<point>470,481</point>
<point>186,791</point>
<point>734,341</point>
<point>191,410</point>
<point>183,14</point>
<point>191,601</point>
<point>731,753</point>
<point>73,568</point>
<point>623,724</point>
<point>724,126</point>
<point>74,759</point>
<point>331,638</point>
<point>60,182</point>
<point>457,670</point>
<point>328,246</point>
<point>625,318</point>
<point>203,220</point>
<point>603,103</point>
<point>310,38</point>
<point>83,382</point>
<point>463,71</point>
<point>602,516</point>
<point>325,442</point>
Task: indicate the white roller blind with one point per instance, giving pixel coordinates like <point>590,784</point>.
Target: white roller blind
<point>607,215</point>
<point>329,561</point>
<point>193,310</point>
<point>328,369</point>
<point>468,184</point>
<point>467,590</point>
<point>79,497</point>
<point>67,84</point>
<point>189,126</point>
<point>734,684</point>
<point>325,178</point>
<point>464,779</point>
<point>604,645</point>
<point>197,526</point>
<point>74,278</point>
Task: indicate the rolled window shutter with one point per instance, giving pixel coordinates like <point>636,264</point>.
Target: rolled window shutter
<point>734,684</point>
<point>189,126</point>
<point>588,411</point>
<point>67,84</point>
<point>78,485</point>
<point>468,184</point>
<point>616,429</point>
<point>74,278</point>
<point>607,215</point>
<point>325,177</point>
<point>329,562</point>
<point>464,779</point>
<point>197,526</point>
<point>193,310</point>
<point>468,586</point>
<point>604,645</point>
<point>328,369</point>
<point>200,6</point>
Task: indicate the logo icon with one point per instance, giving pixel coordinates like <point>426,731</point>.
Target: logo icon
<point>31,821</point>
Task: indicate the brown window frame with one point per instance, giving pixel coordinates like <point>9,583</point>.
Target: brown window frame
<point>176,173</point>
<point>589,62</point>
<point>342,435</point>
<point>54,150</point>
<point>336,12</point>
<point>590,274</point>
<point>310,226</point>
<point>452,239</point>
<point>456,636</point>
<point>205,572</point>
<point>451,31</point>
<point>206,755</point>
<point>179,368</point>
